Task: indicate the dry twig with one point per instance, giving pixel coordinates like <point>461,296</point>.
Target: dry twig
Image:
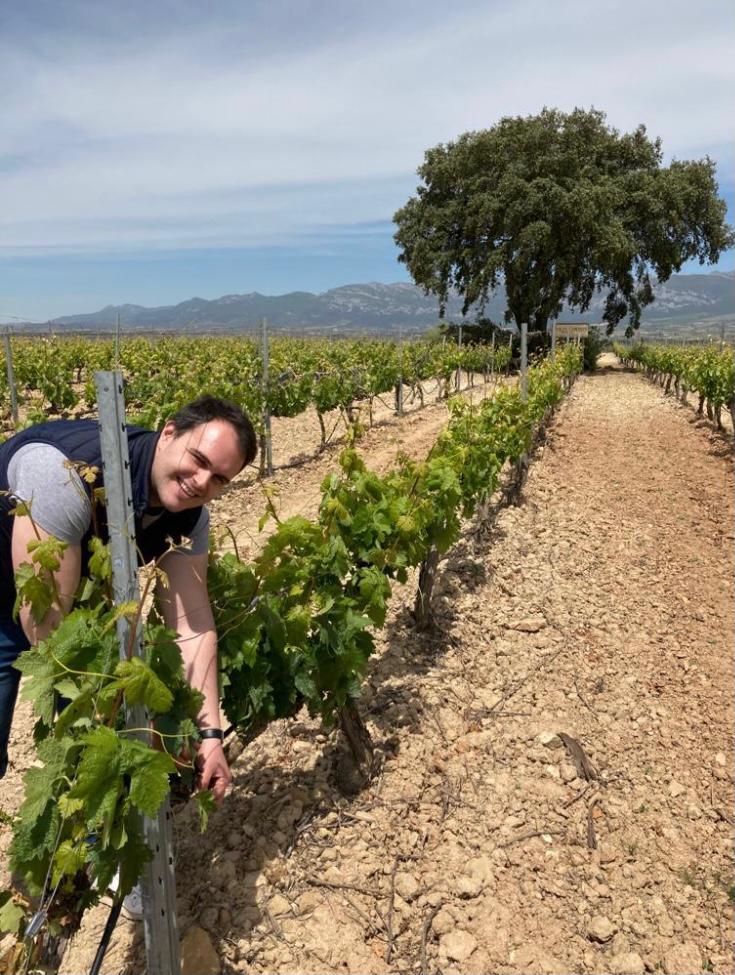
<point>527,835</point>
<point>582,698</point>
<point>315,882</point>
<point>426,927</point>
<point>591,834</point>
<point>570,802</point>
<point>391,906</point>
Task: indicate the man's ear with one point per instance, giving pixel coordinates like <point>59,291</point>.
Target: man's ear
<point>168,432</point>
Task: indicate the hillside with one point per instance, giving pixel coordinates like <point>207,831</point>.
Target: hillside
<point>385,307</point>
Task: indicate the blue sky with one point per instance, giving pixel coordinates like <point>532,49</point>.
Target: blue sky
<point>154,151</point>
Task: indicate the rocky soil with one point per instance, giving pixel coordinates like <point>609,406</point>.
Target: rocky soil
<point>556,786</point>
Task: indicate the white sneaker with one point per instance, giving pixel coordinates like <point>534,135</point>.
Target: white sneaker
<point>132,905</point>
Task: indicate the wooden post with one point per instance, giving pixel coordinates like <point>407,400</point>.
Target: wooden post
<point>399,384</point>
<point>117,342</point>
<point>268,443</point>
<point>524,361</point>
<point>459,367</point>
<point>11,375</point>
<point>158,881</point>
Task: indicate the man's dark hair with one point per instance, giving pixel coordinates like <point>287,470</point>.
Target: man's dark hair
<point>207,408</point>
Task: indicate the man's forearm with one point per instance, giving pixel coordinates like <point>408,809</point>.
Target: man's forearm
<point>199,652</point>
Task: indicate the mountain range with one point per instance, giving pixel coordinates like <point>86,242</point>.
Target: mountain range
<point>378,307</point>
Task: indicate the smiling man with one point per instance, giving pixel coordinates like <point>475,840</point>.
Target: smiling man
<point>174,474</point>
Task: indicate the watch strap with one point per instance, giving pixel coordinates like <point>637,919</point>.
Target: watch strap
<point>212,733</point>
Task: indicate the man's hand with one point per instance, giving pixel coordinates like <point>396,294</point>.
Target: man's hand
<point>214,772</point>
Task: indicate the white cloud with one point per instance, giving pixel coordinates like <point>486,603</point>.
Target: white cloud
<point>229,125</point>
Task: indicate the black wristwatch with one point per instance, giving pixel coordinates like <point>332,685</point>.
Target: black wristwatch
<point>212,733</point>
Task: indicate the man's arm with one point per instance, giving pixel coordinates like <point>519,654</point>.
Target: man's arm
<point>66,578</point>
<point>185,609</point>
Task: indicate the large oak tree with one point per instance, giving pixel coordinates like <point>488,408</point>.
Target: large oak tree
<point>557,207</point>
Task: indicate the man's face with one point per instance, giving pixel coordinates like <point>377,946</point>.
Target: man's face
<point>192,468</point>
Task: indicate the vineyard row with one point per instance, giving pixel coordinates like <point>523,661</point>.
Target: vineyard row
<point>708,372</point>
<point>296,626</point>
<point>56,375</point>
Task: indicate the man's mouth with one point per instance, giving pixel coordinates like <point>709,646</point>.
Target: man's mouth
<point>188,491</point>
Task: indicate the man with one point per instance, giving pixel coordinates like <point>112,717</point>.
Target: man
<point>174,474</point>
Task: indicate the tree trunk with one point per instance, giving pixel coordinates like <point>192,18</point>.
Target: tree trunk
<point>427,576</point>
<point>358,738</point>
<point>710,411</point>
<point>700,408</point>
<point>322,429</point>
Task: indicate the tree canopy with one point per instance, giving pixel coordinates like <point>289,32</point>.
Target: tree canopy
<point>558,207</point>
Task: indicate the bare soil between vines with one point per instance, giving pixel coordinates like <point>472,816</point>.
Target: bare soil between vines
<point>601,608</point>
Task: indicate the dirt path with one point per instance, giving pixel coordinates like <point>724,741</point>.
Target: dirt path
<point>600,609</point>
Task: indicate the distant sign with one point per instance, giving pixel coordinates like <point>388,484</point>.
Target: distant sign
<point>571,331</point>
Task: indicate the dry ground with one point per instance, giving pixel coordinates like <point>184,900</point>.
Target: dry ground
<point>600,609</point>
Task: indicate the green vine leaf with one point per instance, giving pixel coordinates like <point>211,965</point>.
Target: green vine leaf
<point>47,553</point>
<point>140,685</point>
<point>99,779</point>
<point>149,771</point>
<point>95,586</point>
<point>32,591</point>
<point>206,806</point>
<point>12,915</point>
<point>42,671</point>
<point>68,859</point>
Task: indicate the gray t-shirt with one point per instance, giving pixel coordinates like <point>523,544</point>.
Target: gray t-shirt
<point>59,504</point>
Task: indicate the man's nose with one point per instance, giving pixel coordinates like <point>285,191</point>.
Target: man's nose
<point>203,481</point>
